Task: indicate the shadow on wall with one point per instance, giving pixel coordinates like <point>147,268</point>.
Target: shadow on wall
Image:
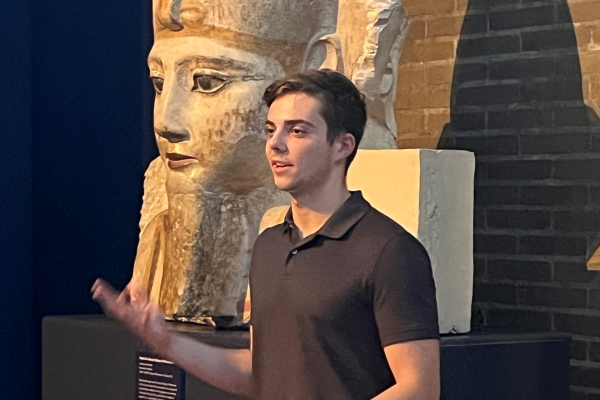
<point>517,102</point>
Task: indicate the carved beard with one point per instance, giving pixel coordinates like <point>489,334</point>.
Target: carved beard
<point>208,246</point>
<point>195,247</point>
<point>209,239</point>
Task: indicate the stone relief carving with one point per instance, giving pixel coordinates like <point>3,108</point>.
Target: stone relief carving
<point>205,195</point>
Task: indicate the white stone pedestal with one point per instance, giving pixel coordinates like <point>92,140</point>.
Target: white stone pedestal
<point>429,193</point>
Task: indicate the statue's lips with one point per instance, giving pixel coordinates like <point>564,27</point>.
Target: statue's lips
<point>177,160</point>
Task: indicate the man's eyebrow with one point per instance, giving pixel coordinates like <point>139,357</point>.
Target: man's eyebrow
<point>298,121</point>
<point>292,122</point>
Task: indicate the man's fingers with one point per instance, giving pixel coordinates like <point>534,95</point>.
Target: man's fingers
<point>138,294</point>
<point>106,295</point>
<point>103,289</point>
<point>145,320</point>
<point>96,284</point>
<point>125,296</point>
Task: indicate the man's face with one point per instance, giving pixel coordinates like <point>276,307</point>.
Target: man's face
<point>208,114</point>
<point>300,156</point>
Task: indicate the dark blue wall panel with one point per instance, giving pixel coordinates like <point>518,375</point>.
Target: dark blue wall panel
<point>16,282</point>
<point>88,77</point>
<point>76,138</point>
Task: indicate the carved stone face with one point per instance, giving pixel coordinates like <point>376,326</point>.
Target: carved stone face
<point>209,115</point>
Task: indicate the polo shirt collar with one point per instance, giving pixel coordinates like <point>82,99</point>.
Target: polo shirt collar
<point>344,218</point>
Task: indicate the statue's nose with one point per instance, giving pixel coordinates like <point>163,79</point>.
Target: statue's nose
<point>174,136</point>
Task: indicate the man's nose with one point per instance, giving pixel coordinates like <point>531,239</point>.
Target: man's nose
<point>277,141</point>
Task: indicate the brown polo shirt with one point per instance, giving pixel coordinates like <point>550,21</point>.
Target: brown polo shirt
<point>324,307</point>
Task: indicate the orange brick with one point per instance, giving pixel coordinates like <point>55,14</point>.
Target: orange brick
<point>593,83</point>
<point>586,83</point>
<point>410,78</point>
<point>417,143</point>
<point>590,63</point>
<point>584,35</point>
<point>422,7</point>
<point>439,74</point>
<point>409,122</point>
<point>447,26</point>
<point>432,51</point>
<point>416,30</point>
<point>414,135</point>
<point>461,5</point>
<point>588,11</point>
<point>434,123</point>
<point>428,97</point>
<point>595,104</point>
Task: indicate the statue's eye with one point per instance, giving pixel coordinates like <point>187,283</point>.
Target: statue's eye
<point>208,83</point>
<point>158,84</point>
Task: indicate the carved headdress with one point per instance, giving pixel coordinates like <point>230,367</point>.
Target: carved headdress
<point>281,29</point>
<point>366,35</point>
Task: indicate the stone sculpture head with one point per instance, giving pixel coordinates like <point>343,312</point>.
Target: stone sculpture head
<point>210,64</point>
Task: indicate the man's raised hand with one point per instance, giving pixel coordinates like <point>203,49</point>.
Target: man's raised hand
<point>141,316</point>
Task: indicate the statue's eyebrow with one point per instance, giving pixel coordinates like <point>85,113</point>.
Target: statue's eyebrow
<point>219,63</point>
<point>154,60</point>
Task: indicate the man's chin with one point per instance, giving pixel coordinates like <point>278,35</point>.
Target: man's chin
<point>284,186</point>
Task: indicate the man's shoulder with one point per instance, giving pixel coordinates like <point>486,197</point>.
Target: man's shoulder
<point>273,230</point>
<point>376,232</point>
<point>380,226</point>
<point>269,235</point>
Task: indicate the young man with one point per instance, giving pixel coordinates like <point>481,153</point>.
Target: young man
<point>343,298</point>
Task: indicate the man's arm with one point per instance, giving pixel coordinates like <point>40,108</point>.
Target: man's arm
<point>416,367</point>
<point>226,369</point>
<point>405,309</point>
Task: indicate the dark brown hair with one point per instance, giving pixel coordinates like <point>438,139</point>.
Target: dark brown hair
<point>342,105</point>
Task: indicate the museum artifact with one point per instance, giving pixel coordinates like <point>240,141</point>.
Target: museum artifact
<point>206,193</point>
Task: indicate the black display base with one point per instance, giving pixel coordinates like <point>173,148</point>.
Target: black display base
<point>93,358</point>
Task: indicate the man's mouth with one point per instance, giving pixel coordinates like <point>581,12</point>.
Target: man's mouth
<point>177,160</point>
<point>280,166</point>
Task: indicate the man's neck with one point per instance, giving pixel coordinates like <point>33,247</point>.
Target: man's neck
<point>312,210</point>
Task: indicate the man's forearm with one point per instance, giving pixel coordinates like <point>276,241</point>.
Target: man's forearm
<point>227,369</point>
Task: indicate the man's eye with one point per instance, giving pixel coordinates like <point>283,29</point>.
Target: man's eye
<point>208,83</point>
<point>158,84</point>
<point>298,131</point>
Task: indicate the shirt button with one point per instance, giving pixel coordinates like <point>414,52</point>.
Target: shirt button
<point>295,252</point>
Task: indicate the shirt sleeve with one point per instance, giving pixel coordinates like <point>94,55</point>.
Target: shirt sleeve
<point>403,290</point>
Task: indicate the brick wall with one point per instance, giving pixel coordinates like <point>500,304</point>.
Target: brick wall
<point>426,70</point>
<point>518,83</point>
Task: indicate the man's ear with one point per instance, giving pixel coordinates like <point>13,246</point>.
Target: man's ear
<point>346,143</point>
<point>324,52</point>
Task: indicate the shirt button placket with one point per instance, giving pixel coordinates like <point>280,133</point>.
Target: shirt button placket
<point>290,260</point>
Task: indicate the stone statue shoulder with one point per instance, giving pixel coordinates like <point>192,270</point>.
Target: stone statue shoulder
<point>272,217</point>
